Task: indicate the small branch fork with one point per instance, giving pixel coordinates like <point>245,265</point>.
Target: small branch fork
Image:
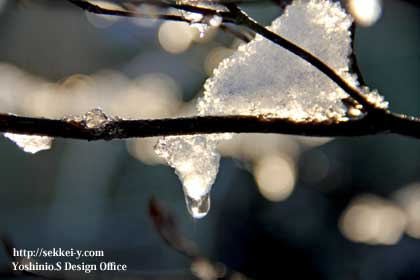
<point>374,121</point>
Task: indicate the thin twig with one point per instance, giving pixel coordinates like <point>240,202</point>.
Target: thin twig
<point>237,16</point>
<point>241,18</point>
<point>93,8</point>
<point>131,12</point>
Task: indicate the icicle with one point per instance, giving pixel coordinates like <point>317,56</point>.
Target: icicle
<point>30,143</point>
<point>196,163</point>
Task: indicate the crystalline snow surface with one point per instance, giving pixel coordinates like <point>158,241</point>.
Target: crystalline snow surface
<point>263,78</point>
<point>267,77</point>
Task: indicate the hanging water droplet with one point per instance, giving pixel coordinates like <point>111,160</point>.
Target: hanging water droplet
<point>30,143</point>
<point>198,208</point>
<point>196,162</point>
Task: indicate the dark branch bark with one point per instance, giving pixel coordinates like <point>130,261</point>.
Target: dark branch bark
<point>374,123</point>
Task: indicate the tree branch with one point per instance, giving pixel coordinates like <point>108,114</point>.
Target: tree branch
<point>373,123</point>
<point>376,120</point>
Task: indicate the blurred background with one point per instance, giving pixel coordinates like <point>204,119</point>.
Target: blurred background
<point>282,207</point>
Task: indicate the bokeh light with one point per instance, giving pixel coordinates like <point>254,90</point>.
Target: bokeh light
<point>275,176</point>
<point>365,12</point>
<point>175,37</point>
<point>409,199</point>
<point>372,220</point>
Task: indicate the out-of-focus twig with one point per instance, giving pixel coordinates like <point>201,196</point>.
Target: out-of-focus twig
<point>167,227</point>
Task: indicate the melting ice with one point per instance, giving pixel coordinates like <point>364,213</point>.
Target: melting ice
<point>196,163</point>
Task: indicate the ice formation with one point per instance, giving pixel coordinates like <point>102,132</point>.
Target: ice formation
<point>30,143</point>
<point>196,163</point>
<point>203,22</point>
<point>261,78</point>
<point>93,119</point>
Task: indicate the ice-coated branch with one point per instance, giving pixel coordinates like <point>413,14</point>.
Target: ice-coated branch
<point>96,9</point>
<point>373,123</point>
<point>92,8</point>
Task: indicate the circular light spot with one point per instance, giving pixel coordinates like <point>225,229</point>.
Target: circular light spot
<point>275,176</point>
<point>372,220</point>
<point>175,37</point>
<point>365,12</point>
